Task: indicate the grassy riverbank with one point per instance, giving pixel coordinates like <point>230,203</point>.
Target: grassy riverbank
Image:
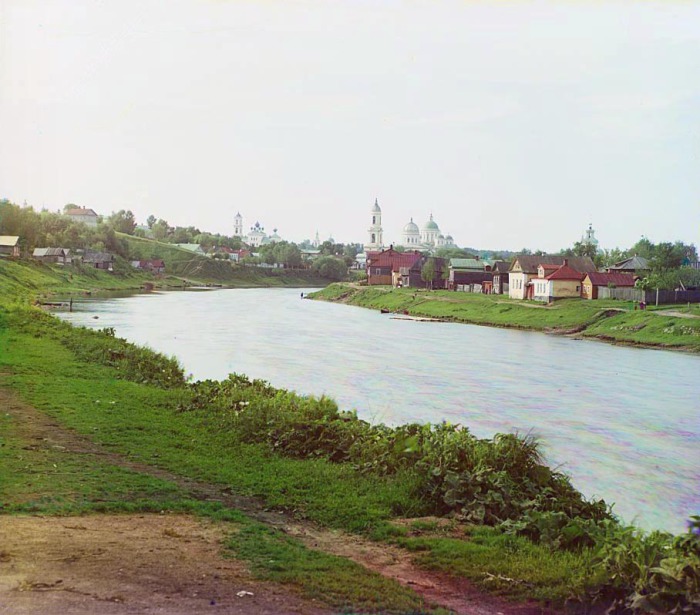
<point>497,515</point>
<point>185,265</point>
<point>672,327</point>
<point>30,280</point>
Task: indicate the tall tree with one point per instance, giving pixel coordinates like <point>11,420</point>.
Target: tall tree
<point>122,221</point>
<point>428,272</point>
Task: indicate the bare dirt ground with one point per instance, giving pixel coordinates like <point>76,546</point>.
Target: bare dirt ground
<point>114,565</point>
<point>126,564</point>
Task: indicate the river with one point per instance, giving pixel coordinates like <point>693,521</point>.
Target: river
<point>624,423</point>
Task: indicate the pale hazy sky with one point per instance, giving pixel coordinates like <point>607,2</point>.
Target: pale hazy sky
<point>515,123</point>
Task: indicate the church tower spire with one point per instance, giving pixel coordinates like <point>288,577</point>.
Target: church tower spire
<point>375,238</point>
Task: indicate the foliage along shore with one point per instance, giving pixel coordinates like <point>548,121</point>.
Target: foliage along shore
<point>667,327</point>
<point>22,280</point>
<point>514,525</point>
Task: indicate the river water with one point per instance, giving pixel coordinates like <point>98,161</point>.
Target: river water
<point>624,423</point>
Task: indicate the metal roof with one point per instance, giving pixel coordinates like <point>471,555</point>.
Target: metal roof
<point>8,241</point>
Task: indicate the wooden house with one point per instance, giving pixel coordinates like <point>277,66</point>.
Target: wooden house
<point>469,274</point>
<point>595,281</point>
<point>9,245</point>
<point>524,269</point>
<point>556,282</point>
<point>153,265</point>
<point>99,260</point>
<point>499,269</point>
<point>60,256</point>
<point>631,265</point>
<point>385,267</point>
<point>84,215</point>
<point>411,275</point>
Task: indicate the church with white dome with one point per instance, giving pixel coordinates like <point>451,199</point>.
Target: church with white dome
<point>427,238</point>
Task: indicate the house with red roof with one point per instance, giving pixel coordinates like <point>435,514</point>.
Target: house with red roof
<point>153,265</point>
<point>384,268</point>
<point>525,271</point>
<point>595,282</point>
<point>556,282</point>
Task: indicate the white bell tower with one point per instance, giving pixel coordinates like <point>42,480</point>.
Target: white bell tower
<point>376,241</point>
<point>238,225</point>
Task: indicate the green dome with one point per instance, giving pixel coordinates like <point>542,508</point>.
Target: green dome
<point>430,225</point>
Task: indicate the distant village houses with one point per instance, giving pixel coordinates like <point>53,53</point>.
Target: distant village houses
<point>154,265</point>
<point>403,269</point>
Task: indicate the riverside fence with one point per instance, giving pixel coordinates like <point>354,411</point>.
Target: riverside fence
<point>651,297</point>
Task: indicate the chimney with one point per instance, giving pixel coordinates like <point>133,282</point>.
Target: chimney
<point>566,262</point>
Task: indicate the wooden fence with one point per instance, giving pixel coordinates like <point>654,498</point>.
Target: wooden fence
<point>650,297</point>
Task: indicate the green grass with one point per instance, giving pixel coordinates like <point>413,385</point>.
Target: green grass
<point>507,564</point>
<point>73,376</point>
<point>50,481</point>
<point>606,319</point>
<point>24,281</point>
<point>337,581</point>
<point>144,424</point>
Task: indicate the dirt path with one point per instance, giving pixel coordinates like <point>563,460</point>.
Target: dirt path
<point>182,575</point>
<point>675,313</point>
<point>119,564</point>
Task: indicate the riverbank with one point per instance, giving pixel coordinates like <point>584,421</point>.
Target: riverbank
<point>146,440</point>
<point>667,327</point>
<point>33,281</point>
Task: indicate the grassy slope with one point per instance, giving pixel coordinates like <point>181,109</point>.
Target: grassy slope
<point>606,319</point>
<point>145,424</point>
<point>26,280</point>
<point>184,264</point>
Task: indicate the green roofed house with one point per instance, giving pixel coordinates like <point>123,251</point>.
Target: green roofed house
<point>630,265</point>
<point>195,248</point>
<point>470,275</point>
<point>9,245</point>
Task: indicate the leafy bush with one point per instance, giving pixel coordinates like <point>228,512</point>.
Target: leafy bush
<point>479,480</point>
<point>653,572</point>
